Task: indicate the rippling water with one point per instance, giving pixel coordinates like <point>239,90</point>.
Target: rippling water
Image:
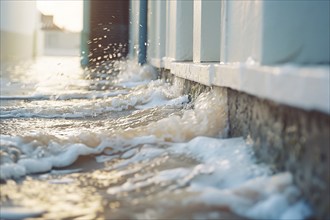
<point>124,144</point>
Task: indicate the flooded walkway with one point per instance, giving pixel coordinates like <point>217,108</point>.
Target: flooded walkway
<point>126,145</point>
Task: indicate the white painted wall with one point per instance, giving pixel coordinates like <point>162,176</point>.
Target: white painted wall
<point>156,32</point>
<point>134,28</point>
<point>277,50</point>
<point>275,32</point>
<point>241,23</point>
<point>206,31</point>
<point>152,26</point>
<point>295,31</point>
<point>18,16</point>
<point>160,29</point>
<point>18,29</point>
<point>179,31</point>
<point>61,43</point>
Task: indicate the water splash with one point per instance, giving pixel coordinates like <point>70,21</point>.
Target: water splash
<point>129,141</point>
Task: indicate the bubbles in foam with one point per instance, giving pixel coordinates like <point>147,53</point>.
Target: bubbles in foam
<point>158,146</point>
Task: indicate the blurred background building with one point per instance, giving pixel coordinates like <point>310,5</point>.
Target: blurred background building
<point>19,24</point>
<point>27,33</point>
<point>58,41</point>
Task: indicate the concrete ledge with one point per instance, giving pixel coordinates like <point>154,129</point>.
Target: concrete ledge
<point>303,87</point>
<point>158,63</point>
<point>307,88</point>
<point>201,73</point>
<point>167,61</point>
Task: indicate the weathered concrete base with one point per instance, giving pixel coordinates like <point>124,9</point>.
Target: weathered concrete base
<point>193,89</point>
<point>286,138</point>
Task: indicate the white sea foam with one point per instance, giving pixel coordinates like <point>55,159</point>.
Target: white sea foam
<point>65,96</point>
<point>154,94</point>
<point>41,152</point>
<point>226,175</point>
<point>134,75</point>
<point>20,212</point>
<point>267,197</point>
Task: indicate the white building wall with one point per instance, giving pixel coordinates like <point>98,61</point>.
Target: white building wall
<point>61,43</point>
<point>179,32</point>
<point>152,24</point>
<point>241,23</point>
<point>275,32</point>
<point>156,32</point>
<point>295,32</point>
<point>278,50</point>
<point>206,31</point>
<point>134,28</point>
<point>18,29</point>
<point>18,16</point>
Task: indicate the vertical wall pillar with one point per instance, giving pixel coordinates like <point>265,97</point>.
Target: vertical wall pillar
<point>156,32</point>
<point>143,26</point>
<point>275,32</point>
<point>179,32</point>
<point>160,31</point>
<point>241,24</point>
<point>206,31</point>
<point>84,47</point>
<point>152,24</point>
<point>134,30</point>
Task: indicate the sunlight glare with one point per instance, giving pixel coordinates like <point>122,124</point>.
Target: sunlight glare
<point>67,14</point>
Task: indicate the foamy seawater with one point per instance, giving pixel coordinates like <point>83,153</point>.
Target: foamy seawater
<point>127,145</point>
